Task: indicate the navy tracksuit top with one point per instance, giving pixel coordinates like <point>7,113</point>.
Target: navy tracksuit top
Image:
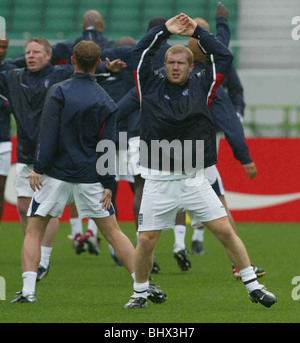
<point>26,92</point>
<point>223,110</point>
<point>77,114</point>
<point>4,113</point>
<point>179,112</point>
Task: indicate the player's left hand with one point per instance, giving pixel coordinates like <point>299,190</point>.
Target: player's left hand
<point>35,180</point>
<point>106,199</point>
<point>250,169</point>
<point>222,11</point>
<point>115,66</point>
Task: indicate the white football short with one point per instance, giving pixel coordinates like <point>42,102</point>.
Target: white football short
<point>23,188</point>
<point>5,162</point>
<point>122,173</point>
<point>213,176</point>
<point>162,200</point>
<point>55,194</point>
<point>134,156</point>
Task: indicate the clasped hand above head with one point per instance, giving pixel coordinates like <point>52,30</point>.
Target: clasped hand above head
<point>181,25</point>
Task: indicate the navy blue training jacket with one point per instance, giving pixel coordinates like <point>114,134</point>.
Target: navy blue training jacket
<point>232,82</point>
<point>226,121</point>
<point>222,109</point>
<point>118,85</point>
<point>129,112</point>
<point>129,104</point>
<point>179,112</point>
<point>235,90</point>
<point>77,114</point>
<point>62,51</point>
<point>5,108</point>
<point>225,105</point>
<point>26,92</point>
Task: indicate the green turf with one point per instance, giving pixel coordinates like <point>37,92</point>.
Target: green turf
<point>89,288</point>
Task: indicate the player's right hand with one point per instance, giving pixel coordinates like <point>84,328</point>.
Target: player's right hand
<point>35,180</point>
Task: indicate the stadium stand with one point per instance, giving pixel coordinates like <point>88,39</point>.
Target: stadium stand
<point>155,8</point>
<point>60,17</point>
<point>5,10</point>
<point>271,18</point>
<point>59,20</point>
<point>194,8</point>
<point>124,22</point>
<point>27,18</point>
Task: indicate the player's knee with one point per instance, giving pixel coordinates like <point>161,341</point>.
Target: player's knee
<point>147,240</point>
<point>227,233</point>
<point>22,209</point>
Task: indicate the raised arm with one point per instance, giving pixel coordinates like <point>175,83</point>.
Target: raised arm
<point>142,54</point>
<point>128,104</point>
<point>235,91</point>
<point>222,26</point>
<point>208,44</point>
<point>225,119</point>
<point>232,82</point>
<point>219,58</point>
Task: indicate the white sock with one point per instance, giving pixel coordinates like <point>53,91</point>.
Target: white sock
<point>76,226</point>
<point>45,256</point>
<point>111,249</point>
<point>133,276</point>
<point>249,279</point>
<point>141,289</point>
<point>198,235</point>
<point>92,226</point>
<point>179,231</point>
<point>29,282</point>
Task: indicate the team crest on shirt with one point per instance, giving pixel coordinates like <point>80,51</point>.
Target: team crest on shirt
<point>140,218</point>
<point>185,92</point>
<point>46,83</point>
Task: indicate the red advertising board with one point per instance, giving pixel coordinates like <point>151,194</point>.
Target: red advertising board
<point>272,196</point>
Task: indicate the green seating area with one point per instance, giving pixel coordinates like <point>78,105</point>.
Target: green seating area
<point>60,20</point>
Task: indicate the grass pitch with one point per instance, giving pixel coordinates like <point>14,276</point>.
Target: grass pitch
<point>92,289</point>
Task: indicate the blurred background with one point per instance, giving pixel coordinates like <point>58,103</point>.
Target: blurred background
<point>266,56</point>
